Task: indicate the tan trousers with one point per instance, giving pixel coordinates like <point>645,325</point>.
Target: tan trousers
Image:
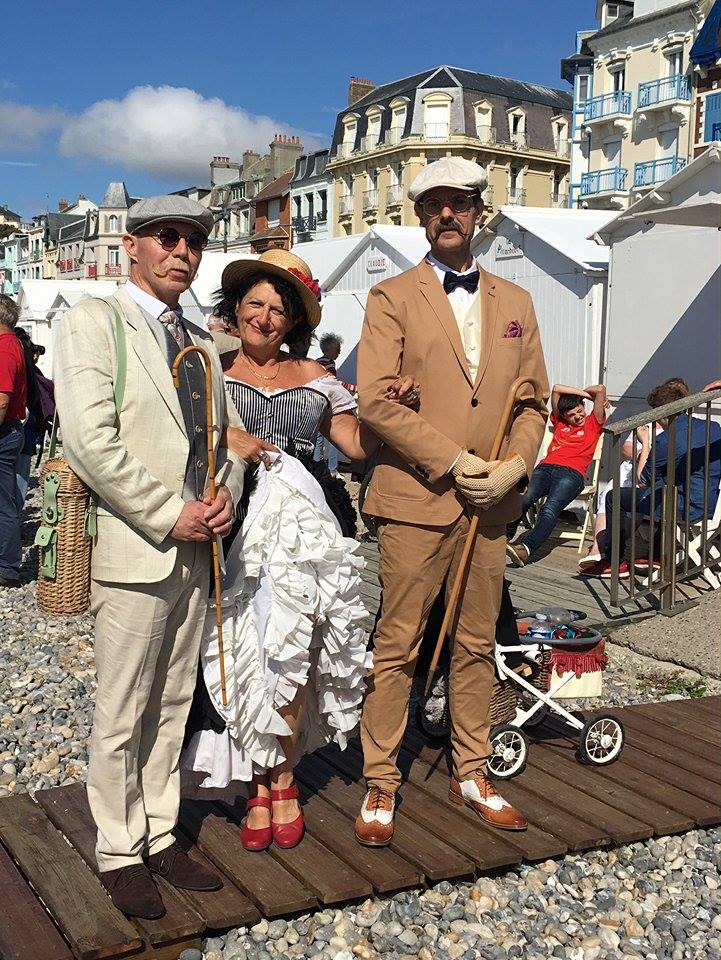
<point>147,641</point>
<point>413,564</point>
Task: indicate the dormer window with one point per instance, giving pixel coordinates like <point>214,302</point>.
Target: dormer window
<point>484,114</point>
<point>374,127</point>
<point>517,127</point>
<point>399,112</point>
<point>350,130</point>
<point>437,116</point>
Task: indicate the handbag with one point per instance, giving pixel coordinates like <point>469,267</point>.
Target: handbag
<point>68,519</point>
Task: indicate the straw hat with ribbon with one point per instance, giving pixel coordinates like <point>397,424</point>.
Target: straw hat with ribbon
<point>285,265</point>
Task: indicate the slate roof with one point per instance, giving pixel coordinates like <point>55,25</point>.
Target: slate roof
<point>627,19</point>
<point>75,230</point>
<point>55,222</point>
<point>116,195</point>
<point>278,188</point>
<point>9,215</point>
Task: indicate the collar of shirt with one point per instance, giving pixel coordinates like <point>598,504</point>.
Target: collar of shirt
<point>441,268</point>
<point>156,308</point>
<point>460,298</point>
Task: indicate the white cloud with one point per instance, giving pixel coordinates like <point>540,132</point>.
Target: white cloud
<point>22,126</point>
<point>170,132</point>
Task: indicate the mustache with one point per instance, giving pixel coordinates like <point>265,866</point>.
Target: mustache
<point>450,225</point>
<point>164,268</point>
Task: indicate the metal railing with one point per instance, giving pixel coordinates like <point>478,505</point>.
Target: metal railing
<point>516,196</point>
<point>304,224</point>
<point>519,141</point>
<point>680,536</point>
<point>370,200</point>
<point>562,146</point>
<point>660,91</point>
<point>393,136</point>
<point>603,181</point>
<point>345,149</point>
<point>369,142</point>
<point>487,197</point>
<point>394,195</point>
<point>656,171</point>
<point>436,131</point>
<point>559,199</point>
<point>345,204</point>
<point>486,134</point>
<point>113,270</point>
<point>610,103</point>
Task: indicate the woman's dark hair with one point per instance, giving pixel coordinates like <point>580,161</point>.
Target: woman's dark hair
<point>567,402</point>
<point>300,336</point>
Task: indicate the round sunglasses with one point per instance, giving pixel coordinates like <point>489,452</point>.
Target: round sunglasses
<point>169,238</point>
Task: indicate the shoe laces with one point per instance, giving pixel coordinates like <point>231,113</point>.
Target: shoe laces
<point>379,800</point>
<point>136,871</point>
<point>485,785</point>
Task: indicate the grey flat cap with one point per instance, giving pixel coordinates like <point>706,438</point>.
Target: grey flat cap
<point>454,172</point>
<point>154,210</point>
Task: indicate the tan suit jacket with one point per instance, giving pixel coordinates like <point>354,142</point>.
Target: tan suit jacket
<point>137,471</point>
<point>410,328</point>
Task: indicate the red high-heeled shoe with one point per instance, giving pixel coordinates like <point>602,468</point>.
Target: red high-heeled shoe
<point>288,835</point>
<point>254,838</point>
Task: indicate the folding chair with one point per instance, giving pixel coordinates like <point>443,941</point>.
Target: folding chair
<point>713,543</point>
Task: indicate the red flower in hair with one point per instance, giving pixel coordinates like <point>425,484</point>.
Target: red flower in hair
<point>312,285</point>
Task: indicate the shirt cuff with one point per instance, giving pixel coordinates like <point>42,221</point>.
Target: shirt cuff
<point>450,469</point>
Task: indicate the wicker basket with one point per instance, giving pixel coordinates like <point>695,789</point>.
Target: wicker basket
<point>503,701</point>
<point>64,568</point>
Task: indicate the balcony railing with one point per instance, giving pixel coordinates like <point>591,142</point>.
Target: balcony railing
<point>516,196</point>
<point>393,136</point>
<point>562,146</point>
<point>92,271</point>
<point>369,143</point>
<point>304,224</point>
<point>487,197</point>
<point>661,91</point>
<point>559,199</point>
<point>618,102</point>
<point>486,134</point>
<point>345,204</point>
<point>610,180</point>
<point>394,195</point>
<point>519,141</point>
<point>113,270</point>
<point>36,254</point>
<point>370,200</point>
<point>436,131</point>
<point>345,149</point>
<point>322,217</point>
<point>656,171</point>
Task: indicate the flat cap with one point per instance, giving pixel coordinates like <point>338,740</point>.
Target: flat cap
<point>154,210</point>
<point>454,172</point>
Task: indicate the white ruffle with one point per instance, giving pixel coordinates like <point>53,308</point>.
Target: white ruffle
<point>290,568</point>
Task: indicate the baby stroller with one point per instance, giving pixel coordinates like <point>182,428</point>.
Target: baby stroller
<point>541,634</point>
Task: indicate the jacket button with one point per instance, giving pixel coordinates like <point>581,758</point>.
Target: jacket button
<point>474,402</point>
<point>471,450</point>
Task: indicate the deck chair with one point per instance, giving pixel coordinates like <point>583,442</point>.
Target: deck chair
<point>587,496</point>
<point>713,544</point>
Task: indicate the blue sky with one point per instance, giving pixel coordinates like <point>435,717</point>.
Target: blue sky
<point>148,91</point>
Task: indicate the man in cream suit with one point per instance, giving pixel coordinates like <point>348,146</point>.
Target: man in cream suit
<point>151,557</point>
<point>465,336</point>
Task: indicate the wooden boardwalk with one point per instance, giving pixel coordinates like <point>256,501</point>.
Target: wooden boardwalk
<point>667,781</point>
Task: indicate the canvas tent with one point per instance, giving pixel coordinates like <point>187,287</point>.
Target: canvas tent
<point>664,309</point>
<point>548,253</point>
<point>347,268</point>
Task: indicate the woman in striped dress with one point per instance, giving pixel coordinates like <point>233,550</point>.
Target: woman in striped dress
<point>298,651</point>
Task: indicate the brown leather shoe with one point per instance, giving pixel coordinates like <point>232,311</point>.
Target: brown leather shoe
<point>133,892</point>
<point>488,803</point>
<point>374,823</point>
<point>175,866</point>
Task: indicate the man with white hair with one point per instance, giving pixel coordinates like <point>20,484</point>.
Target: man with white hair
<point>465,336</point>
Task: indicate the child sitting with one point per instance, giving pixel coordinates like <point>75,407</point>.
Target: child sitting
<point>561,475</point>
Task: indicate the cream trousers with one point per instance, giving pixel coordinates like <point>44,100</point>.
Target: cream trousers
<point>147,641</point>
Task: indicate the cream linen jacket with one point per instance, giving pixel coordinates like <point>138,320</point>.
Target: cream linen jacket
<point>137,471</point>
<point>410,329</point>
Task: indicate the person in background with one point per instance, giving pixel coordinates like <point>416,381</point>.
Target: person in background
<point>46,397</point>
<point>561,475</point>
<point>13,402</point>
<point>33,426</point>
<point>330,345</point>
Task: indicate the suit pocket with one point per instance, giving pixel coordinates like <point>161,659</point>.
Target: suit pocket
<point>398,484</point>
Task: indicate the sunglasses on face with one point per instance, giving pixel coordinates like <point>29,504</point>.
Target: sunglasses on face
<point>169,238</point>
<point>460,203</point>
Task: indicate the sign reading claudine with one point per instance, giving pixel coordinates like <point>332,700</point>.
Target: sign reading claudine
<point>507,247</point>
<point>376,264</point>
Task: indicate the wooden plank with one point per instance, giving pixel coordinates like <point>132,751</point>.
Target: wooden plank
<point>67,808</point>
<point>594,781</point>
<point>574,832</point>
<point>676,731</point>
<point>660,741</point>
<point>261,878</point>
<point>383,868</point>
<point>427,853</point>
<point>680,714</point>
<point>315,866</point>
<point>77,902</point>
<point>26,931</point>
<point>711,705</point>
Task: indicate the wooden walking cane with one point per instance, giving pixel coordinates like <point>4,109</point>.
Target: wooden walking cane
<point>211,484</point>
<point>504,428</point>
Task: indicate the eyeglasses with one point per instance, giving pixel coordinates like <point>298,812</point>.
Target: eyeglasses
<point>169,238</point>
<point>460,203</point>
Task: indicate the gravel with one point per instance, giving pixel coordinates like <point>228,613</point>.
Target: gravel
<point>657,900</point>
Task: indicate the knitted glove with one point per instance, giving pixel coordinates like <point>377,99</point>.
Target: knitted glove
<point>468,465</point>
<point>489,490</point>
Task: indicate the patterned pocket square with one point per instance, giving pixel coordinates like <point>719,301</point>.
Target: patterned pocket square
<point>513,330</point>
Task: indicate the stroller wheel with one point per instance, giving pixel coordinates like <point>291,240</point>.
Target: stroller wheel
<point>602,740</point>
<point>509,747</point>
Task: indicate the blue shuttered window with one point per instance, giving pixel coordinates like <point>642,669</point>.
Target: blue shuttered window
<point>712,118</point>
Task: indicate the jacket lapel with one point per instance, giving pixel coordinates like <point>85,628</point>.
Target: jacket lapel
<point>488,302</point>
<point>148,352</point>
<point>437,300</point>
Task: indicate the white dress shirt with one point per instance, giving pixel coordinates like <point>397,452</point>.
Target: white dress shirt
<point>467,311</point>
<point>146,301</point>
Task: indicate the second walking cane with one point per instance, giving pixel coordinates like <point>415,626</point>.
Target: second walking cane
<point>210,429</point>
<point>504,429</point>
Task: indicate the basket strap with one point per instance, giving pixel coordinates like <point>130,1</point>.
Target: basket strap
<point>53,436</point>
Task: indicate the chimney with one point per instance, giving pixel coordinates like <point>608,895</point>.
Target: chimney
<point>63,204</point>
<point>223,171</point>
<point>284,151</point>
<point>358,88</point>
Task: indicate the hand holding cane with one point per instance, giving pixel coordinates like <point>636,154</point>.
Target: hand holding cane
<point>504,429</point>
<point>212,488</point>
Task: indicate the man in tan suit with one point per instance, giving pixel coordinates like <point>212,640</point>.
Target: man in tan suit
<point>465,335</point>
<point>147,463</point>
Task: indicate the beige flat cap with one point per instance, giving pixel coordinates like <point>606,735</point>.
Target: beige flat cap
<point>453,172</point>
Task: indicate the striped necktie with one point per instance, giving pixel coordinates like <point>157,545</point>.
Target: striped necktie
<point>171,321</point>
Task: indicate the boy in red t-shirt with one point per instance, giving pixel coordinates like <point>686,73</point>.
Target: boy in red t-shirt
<point>561,475</point>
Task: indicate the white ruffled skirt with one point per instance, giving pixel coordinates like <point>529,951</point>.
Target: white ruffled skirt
<point>292,616</point>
